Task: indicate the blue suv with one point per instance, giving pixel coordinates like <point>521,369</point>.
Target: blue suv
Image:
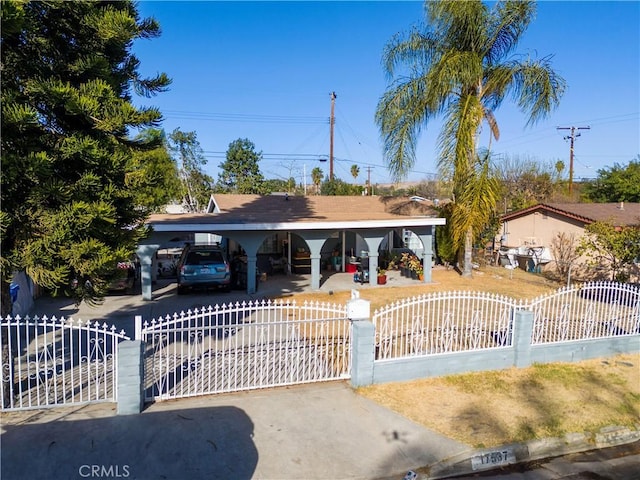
<point>203,266</point>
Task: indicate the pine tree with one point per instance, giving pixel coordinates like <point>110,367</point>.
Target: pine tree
<point>240,172</point>
<point>68,158</point>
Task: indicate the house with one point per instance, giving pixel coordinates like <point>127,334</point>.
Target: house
<point>529,233</point>
<point>306,231</point>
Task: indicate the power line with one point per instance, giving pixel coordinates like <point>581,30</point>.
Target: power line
<point>245,117</point>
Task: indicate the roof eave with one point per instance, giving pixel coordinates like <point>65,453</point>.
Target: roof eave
<point>292,226</point>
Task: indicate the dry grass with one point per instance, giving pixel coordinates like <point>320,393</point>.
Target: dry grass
<point>516,283</point>
<point>495,408</point>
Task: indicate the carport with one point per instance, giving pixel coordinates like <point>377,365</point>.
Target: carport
<point>249,220</point>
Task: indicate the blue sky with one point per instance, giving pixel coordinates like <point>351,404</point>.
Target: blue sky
<point>265,71</point>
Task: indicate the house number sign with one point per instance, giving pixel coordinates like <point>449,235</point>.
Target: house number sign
<point>493,458</point>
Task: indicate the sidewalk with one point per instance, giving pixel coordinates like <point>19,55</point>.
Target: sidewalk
<point>314,432</point>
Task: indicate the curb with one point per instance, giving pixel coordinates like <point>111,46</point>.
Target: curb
<point>483,460</point>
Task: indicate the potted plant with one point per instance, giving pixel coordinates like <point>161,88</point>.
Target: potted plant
<point>382,276</point>
<point>420,272</point>
<point>404,265</point>
<point>414,266</point>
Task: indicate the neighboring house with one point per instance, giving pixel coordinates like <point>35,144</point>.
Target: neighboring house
<point>535,228</point>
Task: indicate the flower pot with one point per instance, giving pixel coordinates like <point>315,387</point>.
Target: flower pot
<point>382,279</point>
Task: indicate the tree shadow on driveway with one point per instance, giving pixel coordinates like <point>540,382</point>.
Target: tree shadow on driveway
<point>214,442</point>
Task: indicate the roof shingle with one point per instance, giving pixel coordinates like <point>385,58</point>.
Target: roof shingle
<point>620,214</point>
<point>242,209</point>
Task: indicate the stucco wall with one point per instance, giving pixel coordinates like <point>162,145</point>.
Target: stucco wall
<point>539,226</point>
<point>540,229</point>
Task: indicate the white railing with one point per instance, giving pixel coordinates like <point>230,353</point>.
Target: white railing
<point>242,346</point>
<point>443,322</point>
<point>595,310</point>
<point>57,361</point>
<point>249,345</point>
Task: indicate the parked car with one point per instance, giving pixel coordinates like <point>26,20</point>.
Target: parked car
<point>203,266</point>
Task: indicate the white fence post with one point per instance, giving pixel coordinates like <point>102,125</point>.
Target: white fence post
<point>138,327</point>
<point>363,336</point>
<point>522,336</point>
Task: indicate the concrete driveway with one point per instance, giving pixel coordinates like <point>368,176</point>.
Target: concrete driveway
<point>314,431</point>
<point>120,310</point>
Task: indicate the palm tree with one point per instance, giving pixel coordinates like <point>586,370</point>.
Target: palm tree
<point>461,67</point>
<point>316,178</point>
<point>355,171</point>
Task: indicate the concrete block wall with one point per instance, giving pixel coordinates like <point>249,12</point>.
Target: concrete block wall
<point>130,377</point>
<point>365,370</point>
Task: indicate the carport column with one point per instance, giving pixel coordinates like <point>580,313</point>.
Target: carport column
<point>130,377</point>
<point>315,271</point>
<point>427,259</point>
<point>363,336</point>
<point>145,254</point>
<point>373,268</point>
<point>251,273</point>
<point>522,335</point>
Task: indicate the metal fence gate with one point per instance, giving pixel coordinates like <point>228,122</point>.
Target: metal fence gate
<point>244,346</point>
<point>56,361</point>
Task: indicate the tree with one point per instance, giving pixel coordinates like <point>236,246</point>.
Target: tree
<point>525,181</point>
<point>240,171</point>
<point>433,189</point>
<point>612,248</point>
<point>615,184</point>
<point>564,251</point>
<point>316,178</point>
<point>196,186</point>
<point>474,206</point>
<point>291,184</point>
<point>152,175</point>
<point>336,186</point>
<point>276,185</point>
<point>460,67</point>
<point>355,171</point>
<point>445,252</point>
<point>69,211</point>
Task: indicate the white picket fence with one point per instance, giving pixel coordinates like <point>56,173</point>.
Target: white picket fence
<point>243,346</point>
<point>57,361</point>
<point>447,322</point>
<point>250,345</point>
<point>443,322</point>
<point>595,310</point>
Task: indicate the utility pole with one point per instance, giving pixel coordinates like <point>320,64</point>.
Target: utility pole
<point>332,121</point>
<point>304,176</point>
<point>369,192</point>
<point>572,137</point>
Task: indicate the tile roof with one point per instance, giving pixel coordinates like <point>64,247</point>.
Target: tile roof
<point>621,214</point>
<point>243,209</point>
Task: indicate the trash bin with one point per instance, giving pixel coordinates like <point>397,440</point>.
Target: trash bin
<point>14,288</point>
